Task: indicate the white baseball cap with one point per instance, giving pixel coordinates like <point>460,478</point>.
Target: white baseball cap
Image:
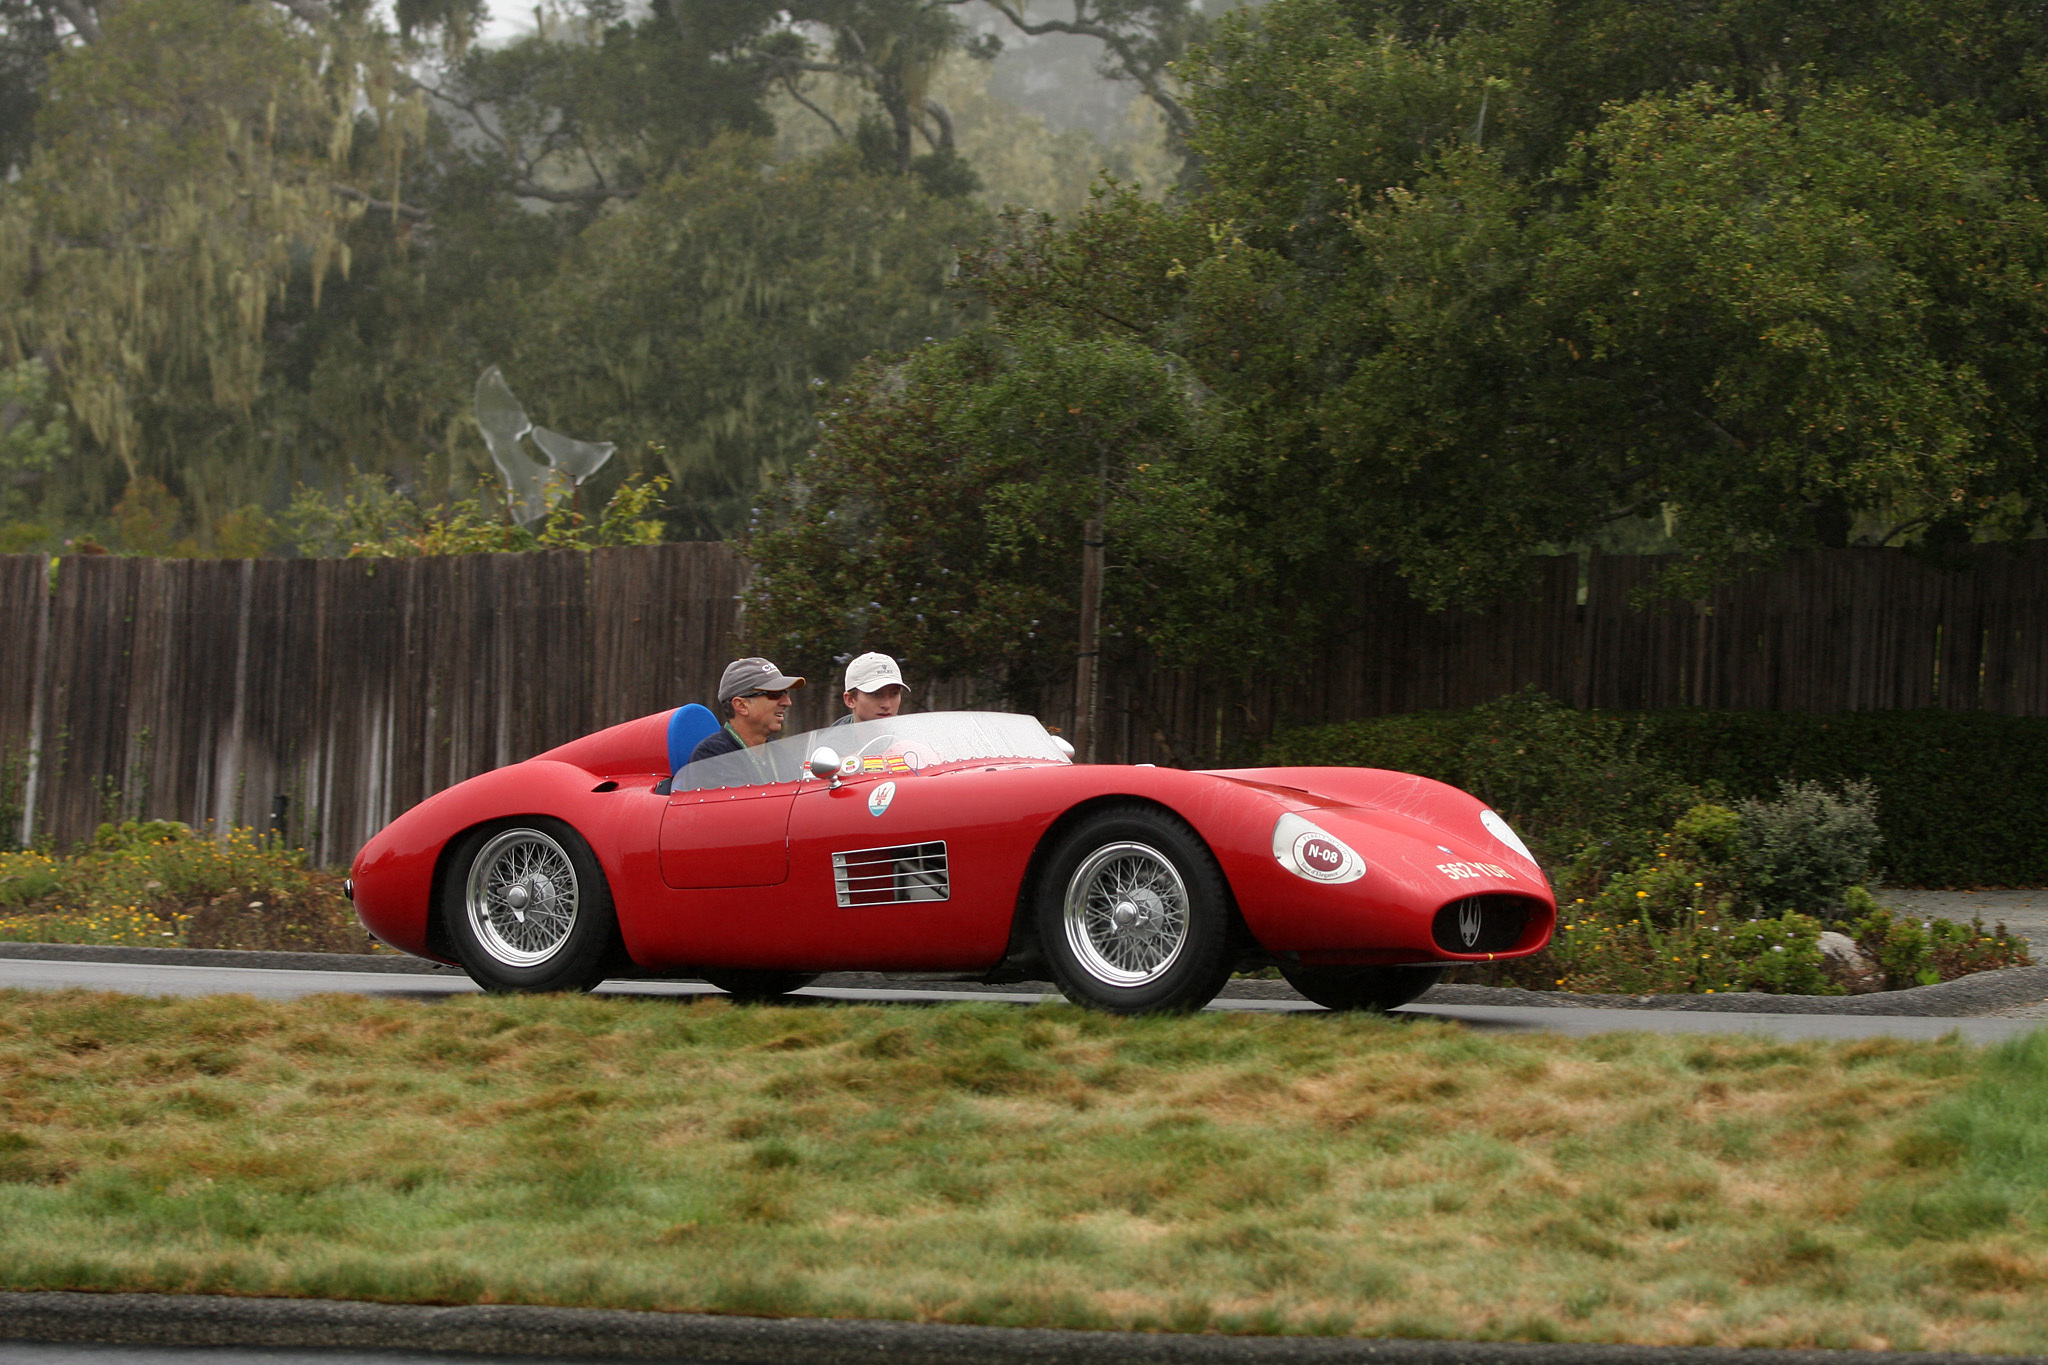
<point>872,673</point>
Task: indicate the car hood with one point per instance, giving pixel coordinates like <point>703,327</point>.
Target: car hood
<point>1437,830</point>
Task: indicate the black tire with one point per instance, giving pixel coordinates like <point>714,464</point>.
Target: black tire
<point>756,986</point>
<point>528,909</point>
<point>1134,915</point>
<point>1362,988</point>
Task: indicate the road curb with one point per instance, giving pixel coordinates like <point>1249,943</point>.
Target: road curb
<point>593,1333</point>
<point>225,957</point>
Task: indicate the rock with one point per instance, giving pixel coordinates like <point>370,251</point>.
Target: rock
<point>1848,966</point>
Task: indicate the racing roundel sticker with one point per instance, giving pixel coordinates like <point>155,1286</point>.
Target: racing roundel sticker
<point>1314,853</point>
<point>1318,855</point>
<point>880,797</point>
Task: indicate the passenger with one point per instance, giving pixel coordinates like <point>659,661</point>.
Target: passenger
<point>874,689</point>
<point>754,697</point>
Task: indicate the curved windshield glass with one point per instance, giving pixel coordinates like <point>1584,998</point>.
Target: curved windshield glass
<point>900,745</point>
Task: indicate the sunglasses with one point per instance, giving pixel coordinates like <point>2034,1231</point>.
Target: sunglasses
<point>776,695</point>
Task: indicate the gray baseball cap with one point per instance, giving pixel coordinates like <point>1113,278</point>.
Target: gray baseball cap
<point>753,675</point>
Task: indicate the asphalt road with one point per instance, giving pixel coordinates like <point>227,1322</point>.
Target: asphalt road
<point>208,977</point>
<point>292,1329</point>
<point>90,1353</point>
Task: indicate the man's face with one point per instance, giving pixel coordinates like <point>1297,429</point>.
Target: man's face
<point>758,716</point>
<point>879,705</point>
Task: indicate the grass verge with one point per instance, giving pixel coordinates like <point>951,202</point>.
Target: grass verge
<point>1225,1172</point>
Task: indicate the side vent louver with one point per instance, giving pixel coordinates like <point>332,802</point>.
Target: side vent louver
<point>891,876</point>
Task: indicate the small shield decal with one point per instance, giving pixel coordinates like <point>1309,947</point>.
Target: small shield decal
<point>880,797</point>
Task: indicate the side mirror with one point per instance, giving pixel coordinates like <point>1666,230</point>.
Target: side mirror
<point>1060,743</point>
<point>825,763</point>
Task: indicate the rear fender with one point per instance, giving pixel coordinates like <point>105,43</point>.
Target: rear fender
<point>401,873</point>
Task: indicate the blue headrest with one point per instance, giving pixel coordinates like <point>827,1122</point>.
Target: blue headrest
<point>686,730</point>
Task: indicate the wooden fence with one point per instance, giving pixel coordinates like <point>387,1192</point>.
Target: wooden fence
<point>207,690</point>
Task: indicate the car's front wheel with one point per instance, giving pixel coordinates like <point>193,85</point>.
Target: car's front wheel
<point>528,908</point>
<point>1134,915</point>
<point>1362,988</point>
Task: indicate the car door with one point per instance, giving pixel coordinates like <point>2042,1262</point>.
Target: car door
<point>727,822</point>
<point>875,875</point>
<point>727,838</point>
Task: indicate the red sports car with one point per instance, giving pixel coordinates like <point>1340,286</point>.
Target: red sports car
<point>961,843</point>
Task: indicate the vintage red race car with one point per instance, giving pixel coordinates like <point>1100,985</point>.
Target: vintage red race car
<point>965,844</point>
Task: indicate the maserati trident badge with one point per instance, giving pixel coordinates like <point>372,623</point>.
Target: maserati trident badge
<point>1468,922</point>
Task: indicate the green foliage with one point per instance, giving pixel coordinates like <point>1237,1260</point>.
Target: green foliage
<point>146,519</point>
<point>128,836</point>
<point>1956,792</point>
<point>34,436</point>
<point>1677,921</point>
<point>158,883</point>
<point>1805,849</point>
<point>1919,952</point>
<point>1494,276</point>
<point>184,180</point>
<point>941,515</point>
<point>374,520</point>
<point>707,313</point>
<point>262,248</point>
<point>1688,920</point>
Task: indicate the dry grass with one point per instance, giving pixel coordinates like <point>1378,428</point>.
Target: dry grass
<point>1232,1172</point>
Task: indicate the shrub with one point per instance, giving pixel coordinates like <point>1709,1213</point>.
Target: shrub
<point>161,884</point>
<point>1919,952</point>
<point>1809,846</point>
<point>1688,918</point>
<point>1603,948</point>
<point>1959,792</point>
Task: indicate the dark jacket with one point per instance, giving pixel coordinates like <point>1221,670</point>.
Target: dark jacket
<point>723,740</point>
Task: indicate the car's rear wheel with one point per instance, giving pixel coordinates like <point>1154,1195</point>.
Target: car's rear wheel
<point>528,909</point>
<point>1134,915</point>
<point>1362,988</point>
<point>755,986</point>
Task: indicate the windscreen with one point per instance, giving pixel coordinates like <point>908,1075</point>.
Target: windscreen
<point>900,745</point>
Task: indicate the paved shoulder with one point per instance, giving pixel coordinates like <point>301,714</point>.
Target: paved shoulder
<point>510,1330</point>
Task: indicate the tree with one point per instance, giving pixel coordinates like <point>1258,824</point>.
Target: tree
<point>1779,319</point>
<point>600,107</point>
<point>34,439</point>
<point>1462,284</point>
<point>190,166</point>
<point>706,314</point>
<point>945,512</point>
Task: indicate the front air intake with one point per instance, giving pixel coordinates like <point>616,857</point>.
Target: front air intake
<point>1481,924</point>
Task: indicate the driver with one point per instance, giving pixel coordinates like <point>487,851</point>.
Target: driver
<point>874,689</point>
<point>754,695</point>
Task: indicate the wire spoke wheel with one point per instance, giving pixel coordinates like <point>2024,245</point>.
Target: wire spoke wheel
<point>1127,914</point>
<point>522,897</point>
